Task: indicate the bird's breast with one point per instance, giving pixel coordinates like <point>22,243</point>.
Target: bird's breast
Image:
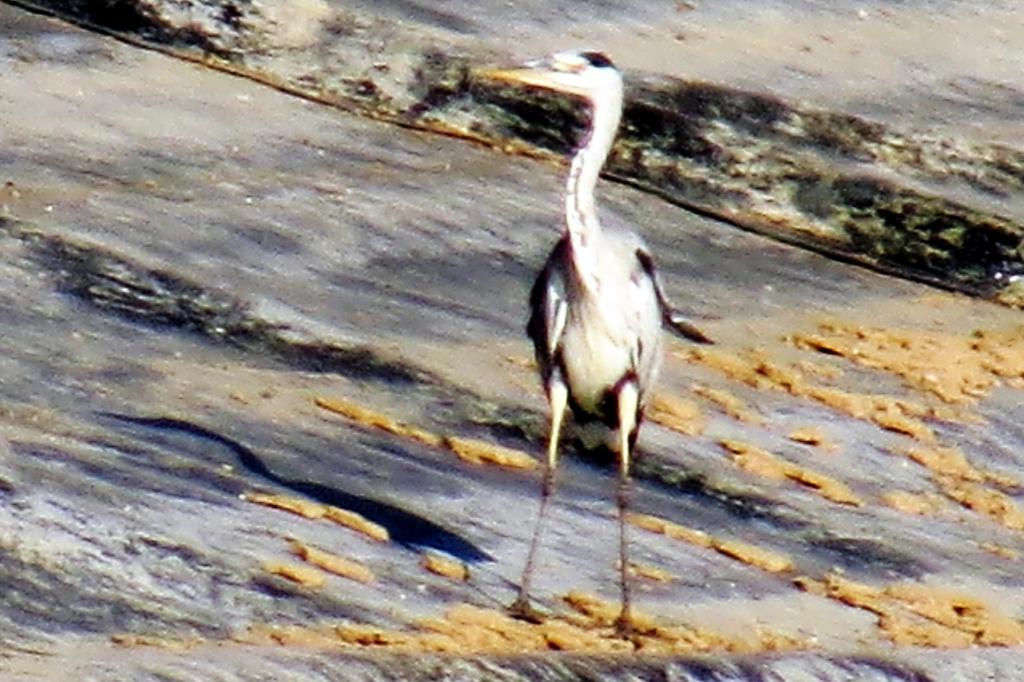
<point>593,363</point>
<point>608,338</point>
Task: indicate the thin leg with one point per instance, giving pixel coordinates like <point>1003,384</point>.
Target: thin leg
<point>558,396</point>
<point>628,410</point>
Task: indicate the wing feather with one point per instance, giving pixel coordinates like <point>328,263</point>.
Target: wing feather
<point>549,309</point>
<point>672,318</point>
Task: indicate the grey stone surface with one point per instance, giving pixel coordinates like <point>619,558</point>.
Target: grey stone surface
<point>189,259</point>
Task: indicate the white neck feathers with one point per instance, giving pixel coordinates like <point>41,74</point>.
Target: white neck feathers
<point>580,211</point>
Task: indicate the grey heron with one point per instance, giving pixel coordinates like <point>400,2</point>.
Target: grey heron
<point>597,306</point>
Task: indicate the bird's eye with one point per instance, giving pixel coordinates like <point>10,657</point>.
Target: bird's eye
<point>598,59</point>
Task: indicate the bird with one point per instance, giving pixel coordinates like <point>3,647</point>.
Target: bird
<point>597,307</point>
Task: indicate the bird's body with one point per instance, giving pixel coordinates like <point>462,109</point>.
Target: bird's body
<point>597,307</point>
<point>598,345</point>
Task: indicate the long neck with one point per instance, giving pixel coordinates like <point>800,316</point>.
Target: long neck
<point>580,212</point>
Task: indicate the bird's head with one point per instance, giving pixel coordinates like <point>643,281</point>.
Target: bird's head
<point>585,74</point>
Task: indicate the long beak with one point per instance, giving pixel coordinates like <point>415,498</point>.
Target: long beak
<point>537,76</point>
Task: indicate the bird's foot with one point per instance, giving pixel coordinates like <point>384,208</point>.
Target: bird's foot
<point>521,609</point>
<point>624,628</point>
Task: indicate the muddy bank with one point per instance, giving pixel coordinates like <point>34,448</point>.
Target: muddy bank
<point>814,161</point>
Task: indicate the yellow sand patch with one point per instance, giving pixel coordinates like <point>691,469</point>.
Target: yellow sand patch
<point>984,500</point>
<point>377,420</point>
<point>304,508</point>
<point>920,615</point>
<point>445,566</point>
<point>752,555</point>
<point>669,529</point>
<point>811,435</point>
<point>962,482</point>
<point>728,403</point>
<point>945,461</point>
<point>677,414</point>
<point>652,573</point>
<point>763,463</point>
<point>919,504</point>
<point>332,563</point>
<point>467,449</point>
<point>357,522</point>
<point>753,369</point>
<point>315,510</point>
<point>955,368</point>
<point>306,576</point>
<point>466,630</point>
<point>482,452</point>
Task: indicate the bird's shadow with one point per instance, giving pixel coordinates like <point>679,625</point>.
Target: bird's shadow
<point>406,528</point>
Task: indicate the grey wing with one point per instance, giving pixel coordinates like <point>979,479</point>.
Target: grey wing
<point>672,318</point>
<point>548,310</point>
